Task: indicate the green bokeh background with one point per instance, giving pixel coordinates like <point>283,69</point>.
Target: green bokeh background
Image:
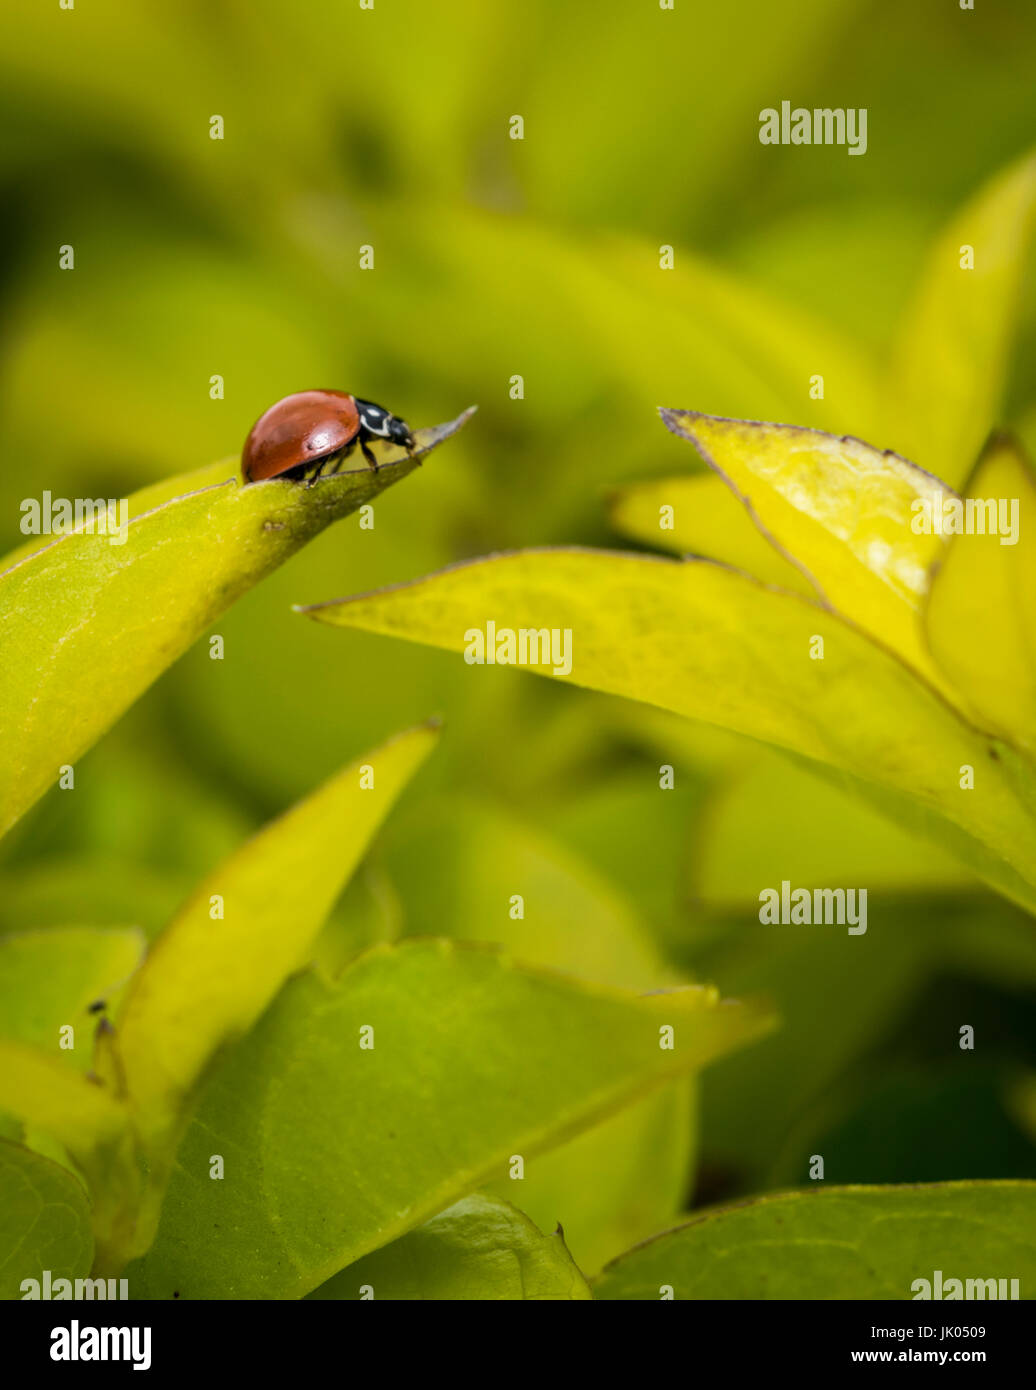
<point>496,257</point>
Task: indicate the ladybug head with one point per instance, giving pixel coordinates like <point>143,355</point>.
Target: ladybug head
<point>380,423</point>
<point>399,432</point>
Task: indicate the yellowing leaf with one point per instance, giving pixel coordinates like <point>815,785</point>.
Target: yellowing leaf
<point>252,922</point>
<point>981,616</point>
<point>37,1089</point>
<point>841,510</point>
<point>713,644</point>
<point>87,625</point>
<point>707,519</point>
<point>947,373</point>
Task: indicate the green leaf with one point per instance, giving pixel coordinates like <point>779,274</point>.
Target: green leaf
<point>707,519</point>
<point>716,645</point>
<point>842,1242</point>
<point>457,868</point>
<point>44,1221</point>
<point>478,1249</point>
<point>643,1165</point>
<point>839,509</point>
<point>205,981</point>
<point>49,978</point>
<point>86,625</point>
<point>948,369</point>
<point>94,889</point>
<point>334,1148</point>
<point>91,1125</point>
<point>981,615</point>
<point>849,991</point>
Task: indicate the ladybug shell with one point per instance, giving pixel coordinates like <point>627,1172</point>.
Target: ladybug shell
<point>299,431</point>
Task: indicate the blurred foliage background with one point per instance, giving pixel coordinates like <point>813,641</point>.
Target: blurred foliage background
<point>496,257</point>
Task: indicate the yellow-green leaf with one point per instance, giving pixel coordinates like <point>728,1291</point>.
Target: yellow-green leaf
<point>86,625</point>
<point>949,365</point>
<point>356,1110</point>
<point>841,1242</point>
<point>842,510</point>
<point>477,1249</point>
<point>44,1221</point>
<point>253,921</point>
<point>457,868</point>
<point>37,1089</point>
<point>49,979</point>
<point>981,615</point>
<point>713,644</point>
<point>823,834</point>
<point>93,1127</point>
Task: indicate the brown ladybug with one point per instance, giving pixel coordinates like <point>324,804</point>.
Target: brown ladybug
<point>313,432</point>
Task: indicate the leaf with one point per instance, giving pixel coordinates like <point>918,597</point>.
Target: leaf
<point>823,834</point>
<point>457,868</point>
<point>948,368</point>
<point>37,1089</point>
<point>911,1123</point>
<point>91,1125</point>
<point>734,340</point>
<point>981,615</point>
<point>205,982</point>
<point>849,991</point>
<point>708,520</point>
<point>643,1165</point>
<point>94,889</point>
<point>145,500</point>
<point>44,1221</point>
<point>86,626</point>
<point>49,978</point>
<point>712,644</point>
<point>333,1149</point>
<point>478,1249</point>
<point>842,1242</point>
<point>838,508</point>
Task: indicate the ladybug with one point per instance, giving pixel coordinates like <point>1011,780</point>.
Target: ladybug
<point>313,432</point>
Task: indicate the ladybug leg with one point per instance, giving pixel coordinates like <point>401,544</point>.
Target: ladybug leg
<point>331,463</point>
<point>317,472</point>
<point>365,449</point>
